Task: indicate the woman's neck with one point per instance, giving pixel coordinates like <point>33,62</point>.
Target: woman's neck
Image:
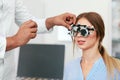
<point>90,56</point>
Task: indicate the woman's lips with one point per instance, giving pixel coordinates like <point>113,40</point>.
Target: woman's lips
<point>81,42</point>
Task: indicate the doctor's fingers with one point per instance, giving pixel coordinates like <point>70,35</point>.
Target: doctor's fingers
<point>71,17</point>
<point>30,24</point>
<point>70,21</point>
<point>33,35</point>
<point>33,30</point>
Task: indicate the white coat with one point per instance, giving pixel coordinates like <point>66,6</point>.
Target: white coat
<point>12,11</point>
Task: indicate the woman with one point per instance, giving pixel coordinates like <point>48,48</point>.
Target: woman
<point>95,63</point>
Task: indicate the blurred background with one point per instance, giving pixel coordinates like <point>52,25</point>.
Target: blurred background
<point>116,28</point>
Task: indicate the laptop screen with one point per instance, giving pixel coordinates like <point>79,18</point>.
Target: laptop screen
<point>41,61</point>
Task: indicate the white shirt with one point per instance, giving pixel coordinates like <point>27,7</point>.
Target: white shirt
<point>12,11</point>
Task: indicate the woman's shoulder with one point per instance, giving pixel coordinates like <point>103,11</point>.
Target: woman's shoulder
<point>72,66</point>
<point>73,62</point>
<point>116,75</point>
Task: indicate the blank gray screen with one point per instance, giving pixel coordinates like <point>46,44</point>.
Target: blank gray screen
<point>41,60</point>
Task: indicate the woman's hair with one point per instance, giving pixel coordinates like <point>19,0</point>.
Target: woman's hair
<point>96,20</point>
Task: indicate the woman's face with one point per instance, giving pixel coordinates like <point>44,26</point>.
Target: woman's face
<point>89,41</point>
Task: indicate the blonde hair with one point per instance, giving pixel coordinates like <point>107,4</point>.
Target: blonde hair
<point>111,63</point>
<point>95,19</point>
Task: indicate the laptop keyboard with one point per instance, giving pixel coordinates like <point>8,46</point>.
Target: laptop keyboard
<point>28,78</point>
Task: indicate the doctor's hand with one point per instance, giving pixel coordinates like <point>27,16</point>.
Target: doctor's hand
<point>65,19</point>
<point>26,32</point>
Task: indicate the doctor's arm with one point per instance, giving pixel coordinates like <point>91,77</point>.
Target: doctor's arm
<point>28,30</point>
<point>22,15</point>
<point>30,25</point>
<point>65,19</point>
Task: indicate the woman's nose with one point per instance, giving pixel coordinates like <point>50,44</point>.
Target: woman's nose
<point>78,34</point>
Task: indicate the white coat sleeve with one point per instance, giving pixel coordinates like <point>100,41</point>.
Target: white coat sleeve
<point>2,46</point>
<point>22,14</point>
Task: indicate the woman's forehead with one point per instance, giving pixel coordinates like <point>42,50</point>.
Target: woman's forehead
<point>84,21</point>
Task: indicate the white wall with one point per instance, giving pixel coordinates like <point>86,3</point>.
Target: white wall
<point>47,8</point>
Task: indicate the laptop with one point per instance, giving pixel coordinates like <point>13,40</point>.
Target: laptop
<point>41,62</point>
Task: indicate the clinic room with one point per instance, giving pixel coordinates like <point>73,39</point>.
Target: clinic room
<point>89,49</point>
